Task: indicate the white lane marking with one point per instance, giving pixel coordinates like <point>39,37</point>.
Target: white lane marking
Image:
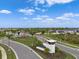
<point>28,48</point>
<point>11,49</point>
<point>4,55</point>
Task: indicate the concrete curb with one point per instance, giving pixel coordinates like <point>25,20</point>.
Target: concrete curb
<point>69,52</point>
<point>4,55</point>
<point>12,50</point>
<point>28,48</point>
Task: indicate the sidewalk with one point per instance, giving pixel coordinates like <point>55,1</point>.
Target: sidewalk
<point>4,55</point>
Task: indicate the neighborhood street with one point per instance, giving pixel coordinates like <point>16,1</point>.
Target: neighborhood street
<point>73,51</point>
<point>22,52</point>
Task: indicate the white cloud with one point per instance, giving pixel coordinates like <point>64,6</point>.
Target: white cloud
<point>40,1</point>
<point>43,16</point>
<point>5,11</point>
<point>27,11</point>
<point>39,17</point>
<point>70,14</point>
<point>67,16</point>
<point>43,10</point>
<point>25,18</point>
<point>37,8</point>
<point>62,18</point>
<point>40,9</point>
<point>44,19</point>
<point>52,2</point>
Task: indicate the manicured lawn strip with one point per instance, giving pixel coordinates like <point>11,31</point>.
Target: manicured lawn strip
<point>30,41</point>
<point>68,44</point>
<point>68,56</point>
<point>10,53</point>
<point>71,39</point>
<point>0,55</point>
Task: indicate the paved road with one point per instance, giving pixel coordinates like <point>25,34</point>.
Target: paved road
<point>73,51</point>
<point>21,51</point>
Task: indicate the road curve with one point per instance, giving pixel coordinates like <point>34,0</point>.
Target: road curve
<point>22,52</point>
<point>3,52</point>
<point>73,51</point>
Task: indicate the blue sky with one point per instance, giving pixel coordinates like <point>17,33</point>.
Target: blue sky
<point>39,13</point>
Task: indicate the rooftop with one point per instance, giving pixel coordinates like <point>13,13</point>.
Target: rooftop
<point>51,40</point>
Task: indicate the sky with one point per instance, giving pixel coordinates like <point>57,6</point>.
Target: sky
<point>39,13</point>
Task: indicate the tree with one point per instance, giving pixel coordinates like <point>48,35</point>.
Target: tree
<point>2,34</point>
<point>9,36</point>
<point>32,33</point>
<point>43,32</point>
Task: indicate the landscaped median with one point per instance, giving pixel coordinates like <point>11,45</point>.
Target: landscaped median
<point>71,40</point>
<point>33,42</point>
<point>3,54</point>
<point>8,53</point>
<point>64,43</point>
<point>0,54</point>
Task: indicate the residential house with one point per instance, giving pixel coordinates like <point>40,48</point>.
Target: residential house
<point>62,31</point>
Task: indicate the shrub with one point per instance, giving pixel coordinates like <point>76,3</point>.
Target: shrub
<point>46,50</point>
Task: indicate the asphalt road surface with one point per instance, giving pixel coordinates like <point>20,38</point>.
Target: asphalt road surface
<point>22,52</point>
<point>73,51</point>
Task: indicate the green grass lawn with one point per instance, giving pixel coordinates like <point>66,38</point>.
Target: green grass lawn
<point>0,55</point>
<point>10,54</point>
<point>30,41</point>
